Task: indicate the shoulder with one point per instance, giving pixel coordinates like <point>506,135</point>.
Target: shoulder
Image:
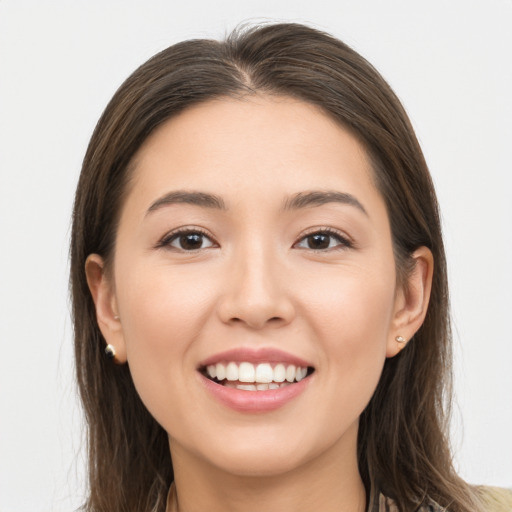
<point>493,499</point>
<point>496,499</point>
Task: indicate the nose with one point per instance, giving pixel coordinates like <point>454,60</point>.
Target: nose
<point>255,292</point>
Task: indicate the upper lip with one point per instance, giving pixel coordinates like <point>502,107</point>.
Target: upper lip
<point>255,356</point>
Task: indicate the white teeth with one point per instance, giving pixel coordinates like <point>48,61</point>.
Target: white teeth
<point>279,373</point>
<point>290,373</point>
<point>246,372</point>
<point>220,371</point>
<point>232,371</point>
<point>300,373</point>
<point>264,373</point>
<point>257,387</point>
<point>261,374</point>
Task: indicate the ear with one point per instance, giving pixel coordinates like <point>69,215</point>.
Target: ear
<point>411,302</point>
<point>102,291</point>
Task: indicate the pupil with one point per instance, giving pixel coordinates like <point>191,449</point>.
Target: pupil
<point>318,241</point>
<point>191,241</point>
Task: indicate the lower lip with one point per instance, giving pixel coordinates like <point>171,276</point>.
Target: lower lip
<point>254,401</point>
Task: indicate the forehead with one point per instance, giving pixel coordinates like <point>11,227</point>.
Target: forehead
<point>256,146</point>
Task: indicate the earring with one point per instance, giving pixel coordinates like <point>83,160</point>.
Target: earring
<point>110,351</point>
<point>400,339</point>
<point>116,317</point>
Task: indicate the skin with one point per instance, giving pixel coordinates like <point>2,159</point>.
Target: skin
<point>255,282</point>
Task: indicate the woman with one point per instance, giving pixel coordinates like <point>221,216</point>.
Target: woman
<point>256,247</point>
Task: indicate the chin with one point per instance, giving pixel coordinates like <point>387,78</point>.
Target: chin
<point>254,463</point>
<point>262,454</point>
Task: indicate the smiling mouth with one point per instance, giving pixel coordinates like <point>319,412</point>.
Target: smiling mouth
<point>255,377</point>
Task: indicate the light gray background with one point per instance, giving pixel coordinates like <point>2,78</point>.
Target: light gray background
<point>60,62</point>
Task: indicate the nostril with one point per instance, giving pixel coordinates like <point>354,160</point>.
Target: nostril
<point>255,306</point>
<point>257,323</point>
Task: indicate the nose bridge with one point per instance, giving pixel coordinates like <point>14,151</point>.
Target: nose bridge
<point>254,292</point>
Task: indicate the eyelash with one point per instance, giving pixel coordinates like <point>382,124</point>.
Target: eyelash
<point>343,241</point>
<point>175,235</point>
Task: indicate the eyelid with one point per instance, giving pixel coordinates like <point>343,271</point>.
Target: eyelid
<point>346,241</point>
<point>165,241</point>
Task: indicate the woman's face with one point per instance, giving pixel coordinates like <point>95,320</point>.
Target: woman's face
<point>253,240</point>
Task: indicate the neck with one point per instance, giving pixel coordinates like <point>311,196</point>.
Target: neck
<point>330,482</point>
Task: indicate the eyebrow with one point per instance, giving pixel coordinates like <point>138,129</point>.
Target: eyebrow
<point>201,199</point>
<point>318,198</point>
<point>298,201</point>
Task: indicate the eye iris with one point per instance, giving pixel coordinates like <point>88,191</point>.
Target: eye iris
<point>318,241</point>
<point>191,241</point>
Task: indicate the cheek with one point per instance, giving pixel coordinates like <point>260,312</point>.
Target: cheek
<point>162,313</point>
<point>353,302</point>
<point>352,314</point>
<point>162,302</point>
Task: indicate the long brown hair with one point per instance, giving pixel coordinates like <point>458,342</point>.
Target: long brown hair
<point>403,446</point>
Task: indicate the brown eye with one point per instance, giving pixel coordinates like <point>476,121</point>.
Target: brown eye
<point>323,240</point>
<point>318,241</point>
<point>189,241</point>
